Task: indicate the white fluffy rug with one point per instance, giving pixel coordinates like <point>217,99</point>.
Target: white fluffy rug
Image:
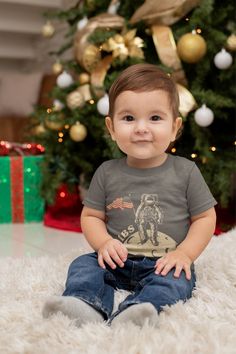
<point>206,324</point>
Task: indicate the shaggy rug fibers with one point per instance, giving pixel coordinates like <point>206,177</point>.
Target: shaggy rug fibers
<point>206,324</point>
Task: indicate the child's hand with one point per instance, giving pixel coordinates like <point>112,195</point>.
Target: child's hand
<point>175,259</point>
<point>112,251</point>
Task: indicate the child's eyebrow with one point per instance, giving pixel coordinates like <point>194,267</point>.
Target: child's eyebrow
<point>124,111</point>
<point>157,111</point>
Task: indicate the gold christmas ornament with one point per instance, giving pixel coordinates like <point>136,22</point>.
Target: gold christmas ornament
<point>39,129</point>
<point>55,122</point>
<point>78,132</point>
<point>168,12</point>
<point>48,30</point>
<point>191,47</point>
<point>75,100</point>
<point>231,43</point>
<point>126,45</point>
<point>57,68</point>
<point>84,78</point>
<point>87,54</point>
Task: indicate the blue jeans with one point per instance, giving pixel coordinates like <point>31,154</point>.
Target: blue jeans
<point>89,282</point>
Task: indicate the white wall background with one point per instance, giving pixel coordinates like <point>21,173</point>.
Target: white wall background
<point>22,46</point>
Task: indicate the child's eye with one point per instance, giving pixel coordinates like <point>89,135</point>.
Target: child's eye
<point>128,118</point>
<point>155,118</point>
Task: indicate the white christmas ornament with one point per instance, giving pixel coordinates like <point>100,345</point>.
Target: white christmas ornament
<point>57,105</point>
<point>112,9</point>
<point>103,105</point>
<point>82,23</point>
<point>223,59</point>
<point>204,116</point>
<point>64,80</point>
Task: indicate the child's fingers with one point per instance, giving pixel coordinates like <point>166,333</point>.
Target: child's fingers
<point>115,257</point>
<point>100,261</point>
<point>178,270</point>
<point>108,259</point>
<point>187,272</point>
<point>160,264</point>
<point>122,252</point>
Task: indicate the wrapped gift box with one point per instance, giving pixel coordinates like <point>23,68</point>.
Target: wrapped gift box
<point>20,178</point>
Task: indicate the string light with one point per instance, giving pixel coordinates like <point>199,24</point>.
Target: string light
<point>40,147</point>
<point>60,134</point>
<point>193,156</point>
<point>66,126</point>
<point>173,150</point>
<point>60,140</point>
<point>49,110</point>
<point>91,101</point>
<point>187,19</point>
<point>198,30</point>
<point>213,148</point>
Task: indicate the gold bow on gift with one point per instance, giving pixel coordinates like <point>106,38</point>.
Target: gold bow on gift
<point>123,46</point>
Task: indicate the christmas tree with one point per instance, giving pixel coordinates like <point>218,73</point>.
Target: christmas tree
<point>192,40</point>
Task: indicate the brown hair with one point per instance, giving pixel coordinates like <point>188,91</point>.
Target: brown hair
<point>144,77</point>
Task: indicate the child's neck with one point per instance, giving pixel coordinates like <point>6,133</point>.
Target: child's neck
<point>146,163</point>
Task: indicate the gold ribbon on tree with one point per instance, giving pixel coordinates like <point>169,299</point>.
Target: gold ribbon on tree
<point>159,12</point>
<point>98,75</point>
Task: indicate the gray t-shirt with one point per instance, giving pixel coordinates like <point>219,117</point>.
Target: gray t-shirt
<point>149,210</point>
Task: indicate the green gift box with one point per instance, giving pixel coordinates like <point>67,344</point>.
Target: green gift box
<point>20,200</point>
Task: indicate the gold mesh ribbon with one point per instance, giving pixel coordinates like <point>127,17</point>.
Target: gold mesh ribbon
<point>166,49</point>
<point>98,75</point>
<point>163,12</point>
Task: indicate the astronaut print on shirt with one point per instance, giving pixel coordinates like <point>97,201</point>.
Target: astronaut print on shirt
<point>143,236</point>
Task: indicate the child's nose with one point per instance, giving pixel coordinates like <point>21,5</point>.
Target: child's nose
<point>141,127</point>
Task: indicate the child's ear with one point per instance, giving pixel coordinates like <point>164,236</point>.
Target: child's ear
<point>109,125</point>
<point>177,125</point>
